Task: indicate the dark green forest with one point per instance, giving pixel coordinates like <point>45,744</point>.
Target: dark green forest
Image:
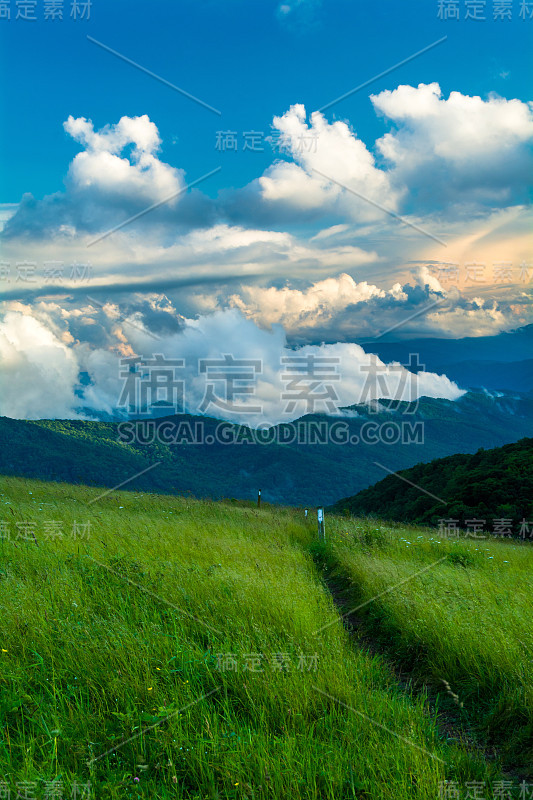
<point>490,485</point>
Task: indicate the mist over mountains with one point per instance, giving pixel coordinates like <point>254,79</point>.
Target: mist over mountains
<point>499,363</point>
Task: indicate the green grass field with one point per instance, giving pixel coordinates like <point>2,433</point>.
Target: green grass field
<point>466,619</point>
<point>162,647</point>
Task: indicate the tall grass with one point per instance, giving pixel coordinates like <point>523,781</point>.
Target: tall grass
<point>114,648</point>
<point>463,625</point>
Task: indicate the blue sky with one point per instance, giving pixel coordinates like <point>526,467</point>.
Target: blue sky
<point>403,209</point>
<point>243,58</point>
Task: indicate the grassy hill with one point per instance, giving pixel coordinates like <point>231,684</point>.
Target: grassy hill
<point>304,471</point>
<point>454,615</point>
<point>162,647</point>
<point>488,485</point>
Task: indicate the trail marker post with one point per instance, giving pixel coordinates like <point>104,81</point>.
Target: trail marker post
<point>321,524</point>
<point>259,498</point>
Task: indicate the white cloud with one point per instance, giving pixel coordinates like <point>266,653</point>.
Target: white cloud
<point>463,146</point>
<point>7,210</point>
<point>348,280</point>
<point>119,174</point>
<point>314,306</point>
<point>215,254</point>
<point>326,233</point>
<point>101,169</point>
<point>43,370</point>
<point>333,150</point>
<point>116,175</point>
<point>341,309</point>
<point>39,370</point>
<point>139,131</point>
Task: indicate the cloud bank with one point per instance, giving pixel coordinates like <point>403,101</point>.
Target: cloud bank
<point>303,254</point>
<point>47,351</point>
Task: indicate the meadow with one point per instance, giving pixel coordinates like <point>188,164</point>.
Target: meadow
<point>463,622</point>
<point>163,647</point>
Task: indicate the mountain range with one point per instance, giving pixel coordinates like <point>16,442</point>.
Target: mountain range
<point>503,361</point>
<point>314,461</point>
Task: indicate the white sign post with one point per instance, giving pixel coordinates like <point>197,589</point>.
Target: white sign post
<point>321,524</point>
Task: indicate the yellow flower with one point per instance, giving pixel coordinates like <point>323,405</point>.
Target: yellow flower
<point>150,688</point>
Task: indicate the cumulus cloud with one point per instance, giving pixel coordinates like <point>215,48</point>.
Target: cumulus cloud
<point>340,309</point>
<point>7,210</point>
<point>39,369</point>
<point>441,155</point>
<point>102,169</point>
<point>293,257</point>
<point>319,148</point>
<point>116,175</point>
<point>445,160</point>
<point>313,307</point>
<point>218,254</point>
<point>45,364</point>
<point>462,148</point>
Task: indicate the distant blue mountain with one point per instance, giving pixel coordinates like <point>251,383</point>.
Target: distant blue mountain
<point>501,362</point>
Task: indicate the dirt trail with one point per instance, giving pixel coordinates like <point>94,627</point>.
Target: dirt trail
<point>454,726</point>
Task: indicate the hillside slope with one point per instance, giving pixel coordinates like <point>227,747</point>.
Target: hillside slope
<point>185,649</point>
<point>498,362</point>
<point>232,461</point>
<point>488,485</point>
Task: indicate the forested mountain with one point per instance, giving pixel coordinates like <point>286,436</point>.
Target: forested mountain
<point>488,485</point>
<point>315,460</point>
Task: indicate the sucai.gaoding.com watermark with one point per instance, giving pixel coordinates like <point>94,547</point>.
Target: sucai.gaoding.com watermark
<point>501,527</point>
<point>252,141</point>
<point>301,432</point>
<point>304,386</point>
<point>473,273</point>
<point>46,272</point>
<point>46,790</point>
<point>484,10</point>
<point>482,790</point>
<point>263,662</point>
<point>49,529</point>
